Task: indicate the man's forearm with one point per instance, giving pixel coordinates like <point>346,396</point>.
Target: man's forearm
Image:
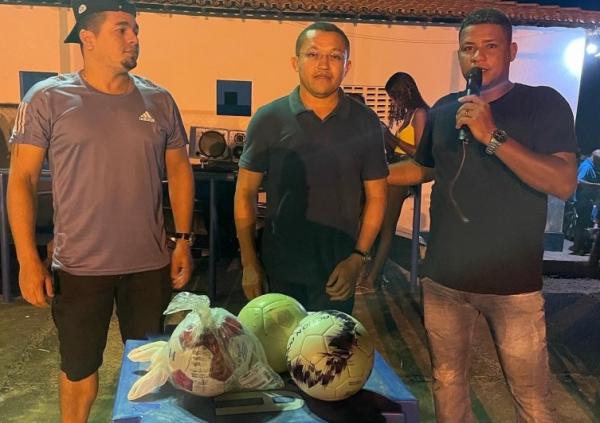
<point>22,206</point>
<point>181,194</point>
<point>409,172</point>
<point>245,225</point>
<point>548,173</point>
<point>371,224</point>
<point>372,219</point>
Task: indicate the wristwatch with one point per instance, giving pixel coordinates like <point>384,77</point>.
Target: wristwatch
<point>498,138</point>
<point>187,236</point>
<point>365,256</point>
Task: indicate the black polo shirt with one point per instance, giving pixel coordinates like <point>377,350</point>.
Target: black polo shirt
<point>315,171</point>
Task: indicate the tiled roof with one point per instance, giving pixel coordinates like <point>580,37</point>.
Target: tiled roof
<point>392,11</point>
<point>442,11</point>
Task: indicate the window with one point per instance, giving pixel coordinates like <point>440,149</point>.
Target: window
<point>234,98</point>
<point>375,97</point>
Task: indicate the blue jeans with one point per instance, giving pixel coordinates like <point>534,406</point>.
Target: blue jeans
<point>518,328</point>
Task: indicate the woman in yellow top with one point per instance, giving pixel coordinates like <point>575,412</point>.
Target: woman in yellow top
<point>406,122</point>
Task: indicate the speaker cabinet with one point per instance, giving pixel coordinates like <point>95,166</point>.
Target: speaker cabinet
<point>237,140</point>
<point>209,144</point>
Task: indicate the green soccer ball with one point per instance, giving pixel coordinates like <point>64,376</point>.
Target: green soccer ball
<point>272,318</point>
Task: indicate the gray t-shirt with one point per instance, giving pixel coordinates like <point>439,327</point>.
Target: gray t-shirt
<point>107,158</point>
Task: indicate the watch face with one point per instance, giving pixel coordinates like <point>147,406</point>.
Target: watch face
<point>499,135</point>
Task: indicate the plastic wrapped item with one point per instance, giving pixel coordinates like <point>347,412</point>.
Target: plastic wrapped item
<point>209,353</point>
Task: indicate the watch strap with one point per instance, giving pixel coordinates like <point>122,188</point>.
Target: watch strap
<point>492,147</point>
<point>366,257</point>
<point>498,138</point>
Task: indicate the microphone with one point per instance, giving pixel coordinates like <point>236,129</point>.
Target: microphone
<point>474,77</point>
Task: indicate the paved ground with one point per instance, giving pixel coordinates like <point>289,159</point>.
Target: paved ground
<point>28,387</point>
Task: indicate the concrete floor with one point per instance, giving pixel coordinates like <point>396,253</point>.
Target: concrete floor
<point>28,347</point>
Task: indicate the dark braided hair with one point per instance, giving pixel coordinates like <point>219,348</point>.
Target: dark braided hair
<point>407,98</point>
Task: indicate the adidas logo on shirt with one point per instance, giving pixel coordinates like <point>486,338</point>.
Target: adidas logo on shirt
<point>146,117</point>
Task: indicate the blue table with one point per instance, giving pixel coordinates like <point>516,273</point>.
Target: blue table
<point>383,395</point>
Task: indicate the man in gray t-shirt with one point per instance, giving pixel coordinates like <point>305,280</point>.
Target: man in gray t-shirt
<point>111,139</point>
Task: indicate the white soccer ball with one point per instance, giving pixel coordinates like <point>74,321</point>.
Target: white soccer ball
<point>330,355</point>
<point>205,365</point>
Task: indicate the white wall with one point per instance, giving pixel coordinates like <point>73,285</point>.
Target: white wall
<point>187,54</point>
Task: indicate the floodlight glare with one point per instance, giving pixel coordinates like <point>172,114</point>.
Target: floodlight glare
<point>574,55</point>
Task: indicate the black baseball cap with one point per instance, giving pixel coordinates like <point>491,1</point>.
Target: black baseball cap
<point>83,8</point>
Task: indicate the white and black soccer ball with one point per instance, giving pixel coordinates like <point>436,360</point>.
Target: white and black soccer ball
<point>330,355</point>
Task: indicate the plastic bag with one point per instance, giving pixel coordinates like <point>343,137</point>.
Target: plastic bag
<point>209,353</point>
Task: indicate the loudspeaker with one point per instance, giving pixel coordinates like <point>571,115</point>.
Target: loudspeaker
<point>209,144</point>
<point>237,140</point>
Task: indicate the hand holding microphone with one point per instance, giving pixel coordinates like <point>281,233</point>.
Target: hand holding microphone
<point>464,117</point>
<point>474,80</point>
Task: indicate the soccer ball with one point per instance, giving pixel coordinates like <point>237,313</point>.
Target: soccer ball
<point>272,318</point>
<point>330,355</point>
<point>208,364</point>
<point>209,352</point>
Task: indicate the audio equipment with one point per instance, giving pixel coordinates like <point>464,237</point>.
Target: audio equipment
<point>209,144</point>
<point>237,140</point>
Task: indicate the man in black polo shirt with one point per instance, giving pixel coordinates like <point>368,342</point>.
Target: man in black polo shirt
<point>488,213</point>
<point>323,157</point>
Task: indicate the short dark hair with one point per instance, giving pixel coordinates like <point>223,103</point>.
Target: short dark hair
<point>325,27</point>
<point>92,22</point>
<point>488,16</point>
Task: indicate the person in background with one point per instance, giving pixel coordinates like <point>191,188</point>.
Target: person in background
<point>111,138</point>
<point>588,194</point>
<point>488,215</point>
<point>406,122</point>
<point>323,155</point>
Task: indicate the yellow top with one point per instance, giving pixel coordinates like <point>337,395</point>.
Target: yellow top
<point>407,135</point>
